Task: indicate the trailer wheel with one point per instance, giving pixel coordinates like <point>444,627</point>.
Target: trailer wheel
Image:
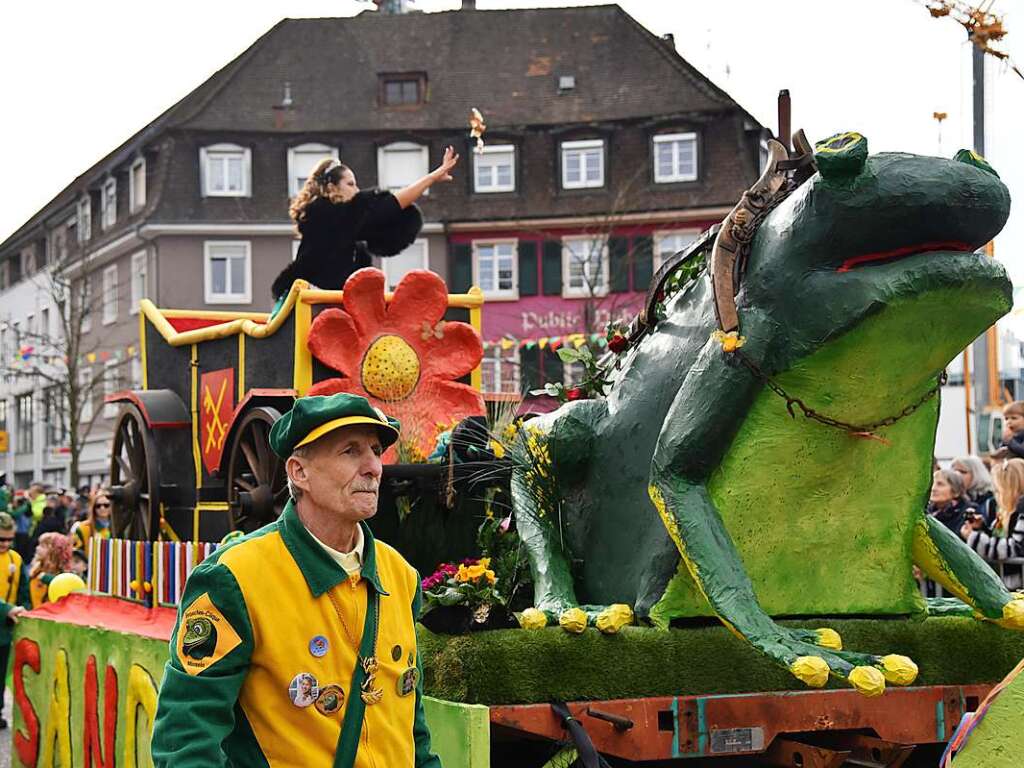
<point>257,487</point>
<point>134,479</point>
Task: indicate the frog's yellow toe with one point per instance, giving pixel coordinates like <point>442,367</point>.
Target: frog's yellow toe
<point>868,681</point>
<point>613,618</point>
<point>532,618</point>
<point>899,670</point>
<point>573,620</point>
<point>1013,614</point>
<point>829,638</point>
<point>811,670</point>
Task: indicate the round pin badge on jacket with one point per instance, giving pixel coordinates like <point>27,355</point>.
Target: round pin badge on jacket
<point>319,646</point>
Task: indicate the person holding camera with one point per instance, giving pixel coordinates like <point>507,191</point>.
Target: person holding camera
<point>1005,539</point>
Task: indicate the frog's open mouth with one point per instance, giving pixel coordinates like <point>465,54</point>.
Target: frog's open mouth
<point>895,254</point>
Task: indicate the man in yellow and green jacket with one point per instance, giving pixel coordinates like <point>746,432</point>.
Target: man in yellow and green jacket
<point>296,645</point>
<point>13,598</point>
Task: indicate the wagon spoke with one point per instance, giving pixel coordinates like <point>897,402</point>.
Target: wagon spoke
<point>250,456</point>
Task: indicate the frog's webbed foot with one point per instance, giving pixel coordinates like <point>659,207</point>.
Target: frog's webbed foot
<point>608,619</point>
<point>811,656</point>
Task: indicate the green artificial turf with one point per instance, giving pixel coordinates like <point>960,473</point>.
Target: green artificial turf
<point>521,667</point>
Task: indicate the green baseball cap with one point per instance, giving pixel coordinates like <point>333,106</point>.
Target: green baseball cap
<point>313,417</point>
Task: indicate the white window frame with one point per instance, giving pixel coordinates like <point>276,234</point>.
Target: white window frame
<point>140,280</point>
<point>567,148</point>
<point>570,292</point>
<point>400,146</point>
<point>511,294</point>
<point>85,296</point>
<point>207,153</point>
<point>494,358</point>
<point>109,315</point>
<point>108,203</point>
<point>85,394</point>
<point>83,213</point>
<point>388,262</point>
<point>675,176</point>
<point>244,297</point>
<point>322,149</point>
<point>136,192</point>
<point>494,149</point>
<point>111,384</point>
<point>661,235</point>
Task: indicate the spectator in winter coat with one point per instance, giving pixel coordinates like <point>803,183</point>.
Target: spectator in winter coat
<point>342,226</point>
<point>978,485</point>
<point>1005,539</point>
<point>1013,431</point>
<point>947,502</point>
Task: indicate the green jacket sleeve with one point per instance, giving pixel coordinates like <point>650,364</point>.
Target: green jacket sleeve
<point>420,732</point>
<point>24,598</point>
<point>196,711</point>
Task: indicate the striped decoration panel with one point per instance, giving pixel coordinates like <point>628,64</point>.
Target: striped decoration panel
<point>150,572</point>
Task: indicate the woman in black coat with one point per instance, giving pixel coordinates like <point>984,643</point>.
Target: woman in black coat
<point>342,227</point>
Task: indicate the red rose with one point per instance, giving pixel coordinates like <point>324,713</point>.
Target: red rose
<point>618,344</point>
<point>659,297</point>
<point>576,393</point>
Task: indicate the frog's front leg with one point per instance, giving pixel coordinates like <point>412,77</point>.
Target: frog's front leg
<point>550,450</point>
<point>945,558</point>
<point>693,440</point>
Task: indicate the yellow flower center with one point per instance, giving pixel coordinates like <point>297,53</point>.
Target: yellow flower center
<point>391,368</point>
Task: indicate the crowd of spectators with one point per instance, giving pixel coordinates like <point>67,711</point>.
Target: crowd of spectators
<point>981,500</point>
<point>52,529</point>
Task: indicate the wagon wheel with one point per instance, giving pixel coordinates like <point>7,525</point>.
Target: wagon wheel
<point>134,479</point>
<point>257,487</point>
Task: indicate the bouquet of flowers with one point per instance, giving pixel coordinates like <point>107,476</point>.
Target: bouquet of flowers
<point>455,597</point>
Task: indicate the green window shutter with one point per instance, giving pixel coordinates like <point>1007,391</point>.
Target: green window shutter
<point>553,367</point>
<point>529,369</point>
<point>618,264</point>
<point>528,268</point>
<point>552,268</point>
<point>461,269</point>
<point>643,262</point>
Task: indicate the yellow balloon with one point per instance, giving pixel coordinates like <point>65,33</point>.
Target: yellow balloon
<point>64,584</point>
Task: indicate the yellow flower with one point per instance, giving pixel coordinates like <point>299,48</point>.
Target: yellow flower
<point>484,561</point>
<point>474,572</point>
<point>463,574</point>
<point>498,448</point>
<point>489,575</point>
<point>730,341</point>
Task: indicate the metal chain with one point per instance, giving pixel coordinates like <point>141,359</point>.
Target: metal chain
<point>859,430</point>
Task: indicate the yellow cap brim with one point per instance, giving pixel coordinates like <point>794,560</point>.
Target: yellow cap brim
<point>388,433</point>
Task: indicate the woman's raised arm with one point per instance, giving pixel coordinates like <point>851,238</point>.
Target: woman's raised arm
<point>410,194</point>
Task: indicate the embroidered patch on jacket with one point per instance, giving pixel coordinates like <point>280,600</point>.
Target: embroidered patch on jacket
<point>204,636</point>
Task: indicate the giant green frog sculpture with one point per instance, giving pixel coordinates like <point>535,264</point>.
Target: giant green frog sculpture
<point>700,487</point>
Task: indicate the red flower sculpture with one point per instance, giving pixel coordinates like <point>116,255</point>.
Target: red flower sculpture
<point>403,357</point>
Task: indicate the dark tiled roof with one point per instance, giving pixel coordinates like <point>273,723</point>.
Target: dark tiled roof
<point>505,62</point>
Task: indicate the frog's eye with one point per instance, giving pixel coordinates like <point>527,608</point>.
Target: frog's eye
<point>841,155</point>
<point>970,157</point>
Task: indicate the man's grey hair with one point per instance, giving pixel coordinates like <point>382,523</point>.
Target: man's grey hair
<point>294,491</point>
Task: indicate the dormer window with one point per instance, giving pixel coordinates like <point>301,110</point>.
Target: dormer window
<point>403,90</point>
<point>225,170</point>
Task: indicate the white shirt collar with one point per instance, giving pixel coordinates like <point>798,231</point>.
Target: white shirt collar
<point>350,562</point>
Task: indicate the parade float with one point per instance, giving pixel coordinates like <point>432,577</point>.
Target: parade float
<point>713,551</point>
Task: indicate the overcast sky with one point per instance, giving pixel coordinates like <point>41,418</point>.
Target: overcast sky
<point>77,79</point>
